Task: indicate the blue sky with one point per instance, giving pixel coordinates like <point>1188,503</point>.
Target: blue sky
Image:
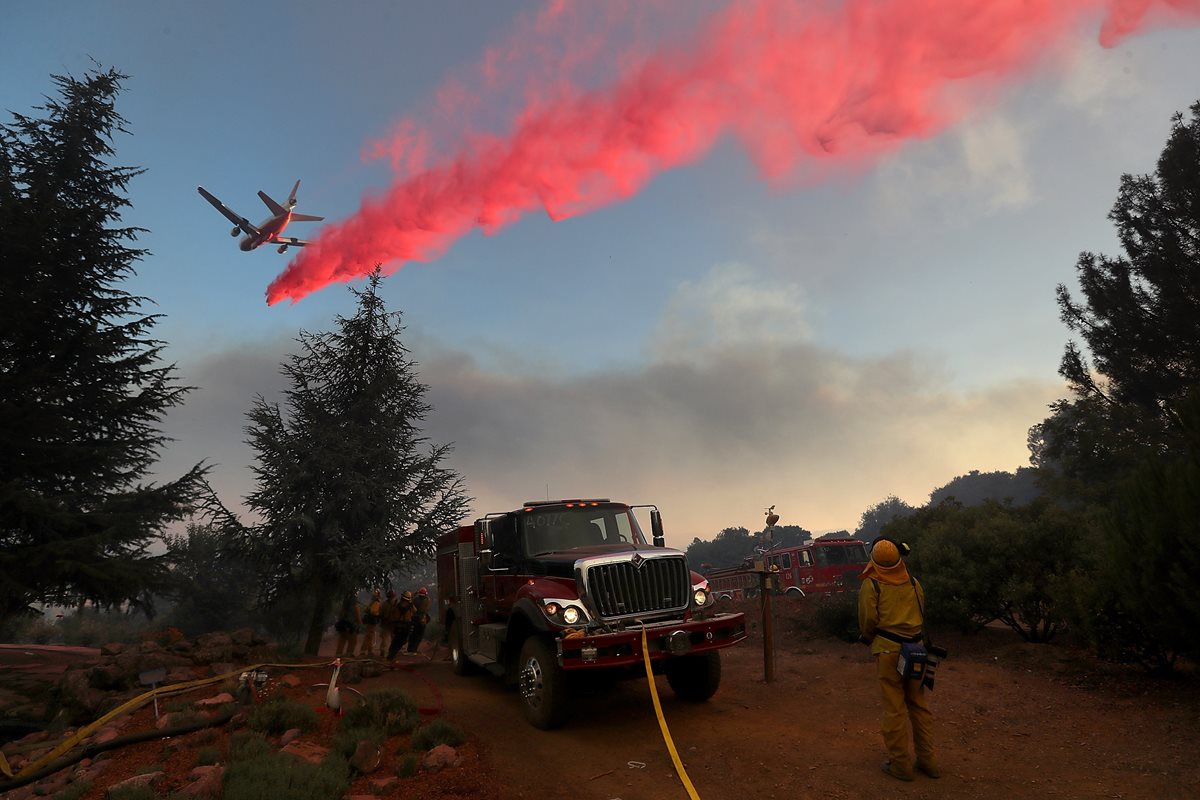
<point>714,344</point>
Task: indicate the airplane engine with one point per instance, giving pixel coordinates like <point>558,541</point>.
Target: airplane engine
<point>235,231</point>
<point>283,248</point>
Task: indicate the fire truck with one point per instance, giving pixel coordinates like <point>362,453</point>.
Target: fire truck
<point>558,590</point>
<point>824,566</point>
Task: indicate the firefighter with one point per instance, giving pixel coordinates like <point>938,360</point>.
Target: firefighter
<point>371,619</point>
<point>401,619</point>
<point>891,606</point>
<point>420,619</point>
<point>348,621</point>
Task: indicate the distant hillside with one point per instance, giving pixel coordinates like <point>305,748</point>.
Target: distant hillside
<point>975,487</point>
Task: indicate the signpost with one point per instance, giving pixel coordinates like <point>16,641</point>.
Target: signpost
<point>765,588</point>
<point>152,678</point>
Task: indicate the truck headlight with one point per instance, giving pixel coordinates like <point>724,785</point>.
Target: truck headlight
<point>570,615</point>
<point>700,597</point>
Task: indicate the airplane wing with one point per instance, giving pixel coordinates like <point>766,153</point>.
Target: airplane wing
<point>290,241</point>
<point>236,219</point>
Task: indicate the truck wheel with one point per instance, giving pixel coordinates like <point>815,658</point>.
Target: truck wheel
<point>458,656</point>
<point>542,684</point>
<point>695,678</point>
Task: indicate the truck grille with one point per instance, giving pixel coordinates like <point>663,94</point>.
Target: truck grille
<point>639,586</point>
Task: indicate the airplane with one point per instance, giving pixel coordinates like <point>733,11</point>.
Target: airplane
<point>269,232</point>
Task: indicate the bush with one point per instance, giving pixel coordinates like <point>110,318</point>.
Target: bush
<point>836,615</point>
<point>275,775</point>
<point>142,792</point>
<point>407,766</point>
<point>346,740</point>
<point>247,745</point>
<point>74,791</point>
<point>280,714</point>
<point>437,732</point>
<point>390,709</point>
<point>207,755</point>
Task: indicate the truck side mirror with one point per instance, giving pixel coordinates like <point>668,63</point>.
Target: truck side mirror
<point>656,527</point>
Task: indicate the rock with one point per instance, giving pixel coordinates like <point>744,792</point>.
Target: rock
<point>53,784</point>
<point>351,673</point>
<point>371,669</point>
<point>109,675</point>
<point>181,675</point>
<point>206,782</point>
<point>220,667</point>
<point>148,779</point>
<point>244,637</point>
<point>366,757</point>
<point>306,751</point>
<point>105,734</point>
<point>216,700</point>
<point>289,736</point>
<point>441,756</point>
<point>164,721</point>
<point>150,646</point>
<point>112,649</point>
<point>290,680</point>
<point>381,785</point>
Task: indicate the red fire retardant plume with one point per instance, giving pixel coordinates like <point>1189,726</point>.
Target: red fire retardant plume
<point>800,84</point>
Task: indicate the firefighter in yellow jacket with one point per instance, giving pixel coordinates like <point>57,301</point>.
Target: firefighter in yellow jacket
<point>891,607</point>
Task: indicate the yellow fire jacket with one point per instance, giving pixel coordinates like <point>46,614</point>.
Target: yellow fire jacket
<point>890,607</point>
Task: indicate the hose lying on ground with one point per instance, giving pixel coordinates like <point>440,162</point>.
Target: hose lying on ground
<point>89,750</point>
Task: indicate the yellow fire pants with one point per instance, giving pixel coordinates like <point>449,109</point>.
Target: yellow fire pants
<point>904,701</point>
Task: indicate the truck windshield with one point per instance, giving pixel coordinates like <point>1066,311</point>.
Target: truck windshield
<point>558,528</point>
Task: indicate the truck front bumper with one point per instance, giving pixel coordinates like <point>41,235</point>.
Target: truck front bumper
<point>663,640</point>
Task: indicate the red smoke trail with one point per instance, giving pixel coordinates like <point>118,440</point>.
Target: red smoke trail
<point>796,82</point>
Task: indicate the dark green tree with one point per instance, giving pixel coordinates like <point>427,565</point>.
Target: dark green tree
<point>212,587</point>
<point>993,562</point>
<point>1140,322</point>
<point>348,489</point>
<point>83,386</point>
<point>874,518</point>
<point>1019,488</point>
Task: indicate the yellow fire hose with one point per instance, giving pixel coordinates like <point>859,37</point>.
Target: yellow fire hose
<point>662,722</point>
<point>130,705</point>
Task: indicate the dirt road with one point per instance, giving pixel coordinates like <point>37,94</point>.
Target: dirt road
<point>1014,721</point>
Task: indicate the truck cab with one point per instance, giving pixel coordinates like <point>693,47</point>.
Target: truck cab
<point>556,588</point>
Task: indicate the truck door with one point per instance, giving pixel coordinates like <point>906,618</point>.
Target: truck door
<point>501,579</point>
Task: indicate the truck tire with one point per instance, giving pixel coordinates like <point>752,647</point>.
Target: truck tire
<point>542,684</point>
<point>458,656</point>
<point>695,678</point>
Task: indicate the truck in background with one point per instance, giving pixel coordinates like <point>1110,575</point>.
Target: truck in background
<point>823,566</point>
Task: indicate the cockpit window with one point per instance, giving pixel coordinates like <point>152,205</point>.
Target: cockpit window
<point>557,528</point>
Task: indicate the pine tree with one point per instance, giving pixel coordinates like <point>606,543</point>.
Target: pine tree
<point>348,489</point>
<point>1140,320</point>
<point>82,384</point>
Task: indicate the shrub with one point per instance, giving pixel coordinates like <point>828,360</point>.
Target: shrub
<point>207,755</point>
<point>346,740</point>
<point>247,745</point>
<point>142,792</point>
<point>281,714</point>
<point>437,732</point>
<point>836,616</point>
<point>407,766</point>
<point>74,791</point>
<point>275,775</point>
<point>390,709</point>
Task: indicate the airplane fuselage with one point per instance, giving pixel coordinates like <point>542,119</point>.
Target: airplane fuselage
<point>268,231</point>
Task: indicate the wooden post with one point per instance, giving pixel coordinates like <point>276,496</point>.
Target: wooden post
<point>768,626</point>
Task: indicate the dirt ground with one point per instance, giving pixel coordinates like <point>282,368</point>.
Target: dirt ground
<point>1013,721</point>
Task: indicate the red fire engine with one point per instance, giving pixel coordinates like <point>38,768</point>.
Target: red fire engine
<point>824,566</point>
<point>568,586</point>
